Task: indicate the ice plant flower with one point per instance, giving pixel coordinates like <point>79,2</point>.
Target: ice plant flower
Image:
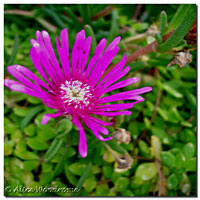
<point>74,89</point>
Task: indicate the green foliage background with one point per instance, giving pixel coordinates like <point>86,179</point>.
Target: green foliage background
<point>46,155</point>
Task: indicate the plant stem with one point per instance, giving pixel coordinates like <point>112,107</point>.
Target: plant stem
<point>137,11</point>
<point>46,24</point>
<point>142,158</point>
<point>155,110</point>
<point>146,50</point>
<point>19,12</point>
<point>104,181</point>
<point>140,52</point>
<point>30,14</point>
<point>157,99</point>
<point>103,12</point>
<point>189,120</point>
<point>158,166</point>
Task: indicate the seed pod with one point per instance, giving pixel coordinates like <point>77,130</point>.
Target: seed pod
<point>122,135</point>
<point>181,58</point>
<point>124,163</point>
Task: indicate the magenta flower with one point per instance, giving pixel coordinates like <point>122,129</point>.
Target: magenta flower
<point>74,89</point>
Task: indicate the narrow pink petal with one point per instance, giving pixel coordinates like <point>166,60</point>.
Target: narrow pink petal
<point>114,107</point>
<point>64,59</point>
<point>82,146</point>
<point>110,114</point>
<point>39,40</point>
<point>97,53</point>
<point>15,86</point>
<point>39,67</point>
<point>118,85</point>
<point>82,58</point>
<point>113,44</point>
<point>114,71</point>
<point>76,52</point>
<point>104,61</point>
<point>47,117</point>
<point>63,52</point>
<point>128,95</point>
<point>47,98</point>
<point>38,92</point>
<point>99,137</point>
<point>8,83</point>
<point>102,65</point>
<point>24,75</point>
<point>121,84</point>
<point>49,67</point>
<point>95,131</point>
<point>47,51</point>
<point>86,52</point>
<point>43,58</point>
<point>52,56</point>
<point>113,79</point>
<point>94,126</point>
<point>15,71</point>
<point>103,123</point>
<point>29,74</point>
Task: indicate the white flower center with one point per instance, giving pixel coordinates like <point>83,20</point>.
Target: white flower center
<point>76,95</point>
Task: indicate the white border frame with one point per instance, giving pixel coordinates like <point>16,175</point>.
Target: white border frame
<point>2,77</point>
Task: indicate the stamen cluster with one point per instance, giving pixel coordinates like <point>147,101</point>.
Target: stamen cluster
<point>76,95</point>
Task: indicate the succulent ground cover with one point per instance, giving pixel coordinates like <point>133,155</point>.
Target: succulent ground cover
<point>153,152</point>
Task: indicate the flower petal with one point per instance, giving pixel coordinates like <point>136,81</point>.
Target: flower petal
<point>35,91</point>
<point>39,67</point>
<point>49,58</point>
<point>47,117</point>
<point>85,53</point>
<point>114,107</point>
<point>102,65</point>
<point>114,71</point>
<point>22,73</point>
<point>120,84</point>
<point>47,98</point>
<point>110,114</point>
<point>97,53</point>
<point>82,146</point>
<point>96,129</point>
<point>128,95</point>
<point>99,137</point>
<point>63,52</point>
<point>103,123</point>
<point>113,44</point>
<point>112,79</point>
<point>42,56</point>
<point>51,55</point>
<point>18,87</point>
<point>76,52</point>
<point>96,126</point>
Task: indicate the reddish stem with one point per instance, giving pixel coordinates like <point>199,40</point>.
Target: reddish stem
<point>19,12</point>
<point>158,166</point>
<point>102,13</point>
<point>137,11</point>
<point>140,52</point>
